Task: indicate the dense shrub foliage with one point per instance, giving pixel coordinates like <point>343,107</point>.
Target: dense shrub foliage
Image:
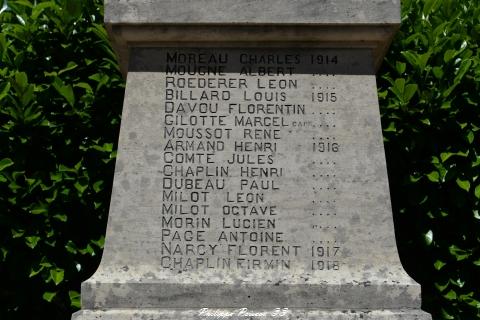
<point>430,98</point>
<point>60,101</point>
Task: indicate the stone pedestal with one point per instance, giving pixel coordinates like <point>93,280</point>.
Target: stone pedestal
<point>251,179</point>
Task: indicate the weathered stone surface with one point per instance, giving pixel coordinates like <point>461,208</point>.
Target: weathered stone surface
<point>241,314</point>
<point>325,201</point>
<point>374,37</point>
<point>252,12</point>
<point>243,23</point>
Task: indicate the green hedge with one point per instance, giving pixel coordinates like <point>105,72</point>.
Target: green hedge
<point>60,97</point>
<point>429,91</point>
<point>60,104</point>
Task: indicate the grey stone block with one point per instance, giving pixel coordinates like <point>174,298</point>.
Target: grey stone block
<point>244,23</point>
<point>225,12</point>
<point>244,314</point>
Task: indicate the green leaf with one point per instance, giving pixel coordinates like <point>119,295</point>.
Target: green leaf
<point>438,72</point>
<point>71,247</point>
<point>446,105</point>
<point>464,184</point>
<point>39,210</point>
<point>402,91</point>
<point>418,61</point>
<point>100,242</point>
<point>458,282</point>
<point>87,250</point>
<point>21,82</point>
<point>61,217</point>
<point>78,165</point>
<point>56,176</point>
<point>48,296</point>
<point>458,253</point>
<point>410,90</point>
<point>439,264</point>
<point>98,186</point>
<point>4,89</point>
<point>34,272</point>
<point>5,163</point>
<point>85,86</point>
<point>102,80</point>
<point>4,253</point>
<point>470,137</point>
<point>426,121</point>
<point>477,191</point>
<point>107,147</point>
<point>476,214</point>
<point>80,187</point>
<point>441,287</point>
<point>449,55</point>
<point>399,88</point>
<point>32,241</point>
<point>428,237</point>
<point>430,5</point>
<point>390,128</point>
<point>31,113</point>
<point>446,315</point>
<point>57,275</point>
<point>27,95</point>
<point>401,67</point>
<point>74,299</point>
<point>40,7</point>
<point>434,176</point>
<point>446,155</point>
<point>414,179</point>
<point>70,66</point>
<point>17,233</point>
<point>65,90</point>
<point>451,295</point>
<point>64,168</point>
<point>470,301</point>
<point>464,67</point>
<point>54,195</point>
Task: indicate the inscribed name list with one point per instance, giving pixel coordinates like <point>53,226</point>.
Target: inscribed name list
<point>264,159</point>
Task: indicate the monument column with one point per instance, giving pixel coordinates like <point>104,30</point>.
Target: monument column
<point>251,179</point>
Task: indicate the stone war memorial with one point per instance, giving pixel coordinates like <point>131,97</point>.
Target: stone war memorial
<point>251,180</point>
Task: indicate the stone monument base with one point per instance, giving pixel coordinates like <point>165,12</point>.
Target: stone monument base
<point>246,314</point>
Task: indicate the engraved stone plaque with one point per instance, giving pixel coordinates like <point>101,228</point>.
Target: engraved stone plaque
<point>251,178</point>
